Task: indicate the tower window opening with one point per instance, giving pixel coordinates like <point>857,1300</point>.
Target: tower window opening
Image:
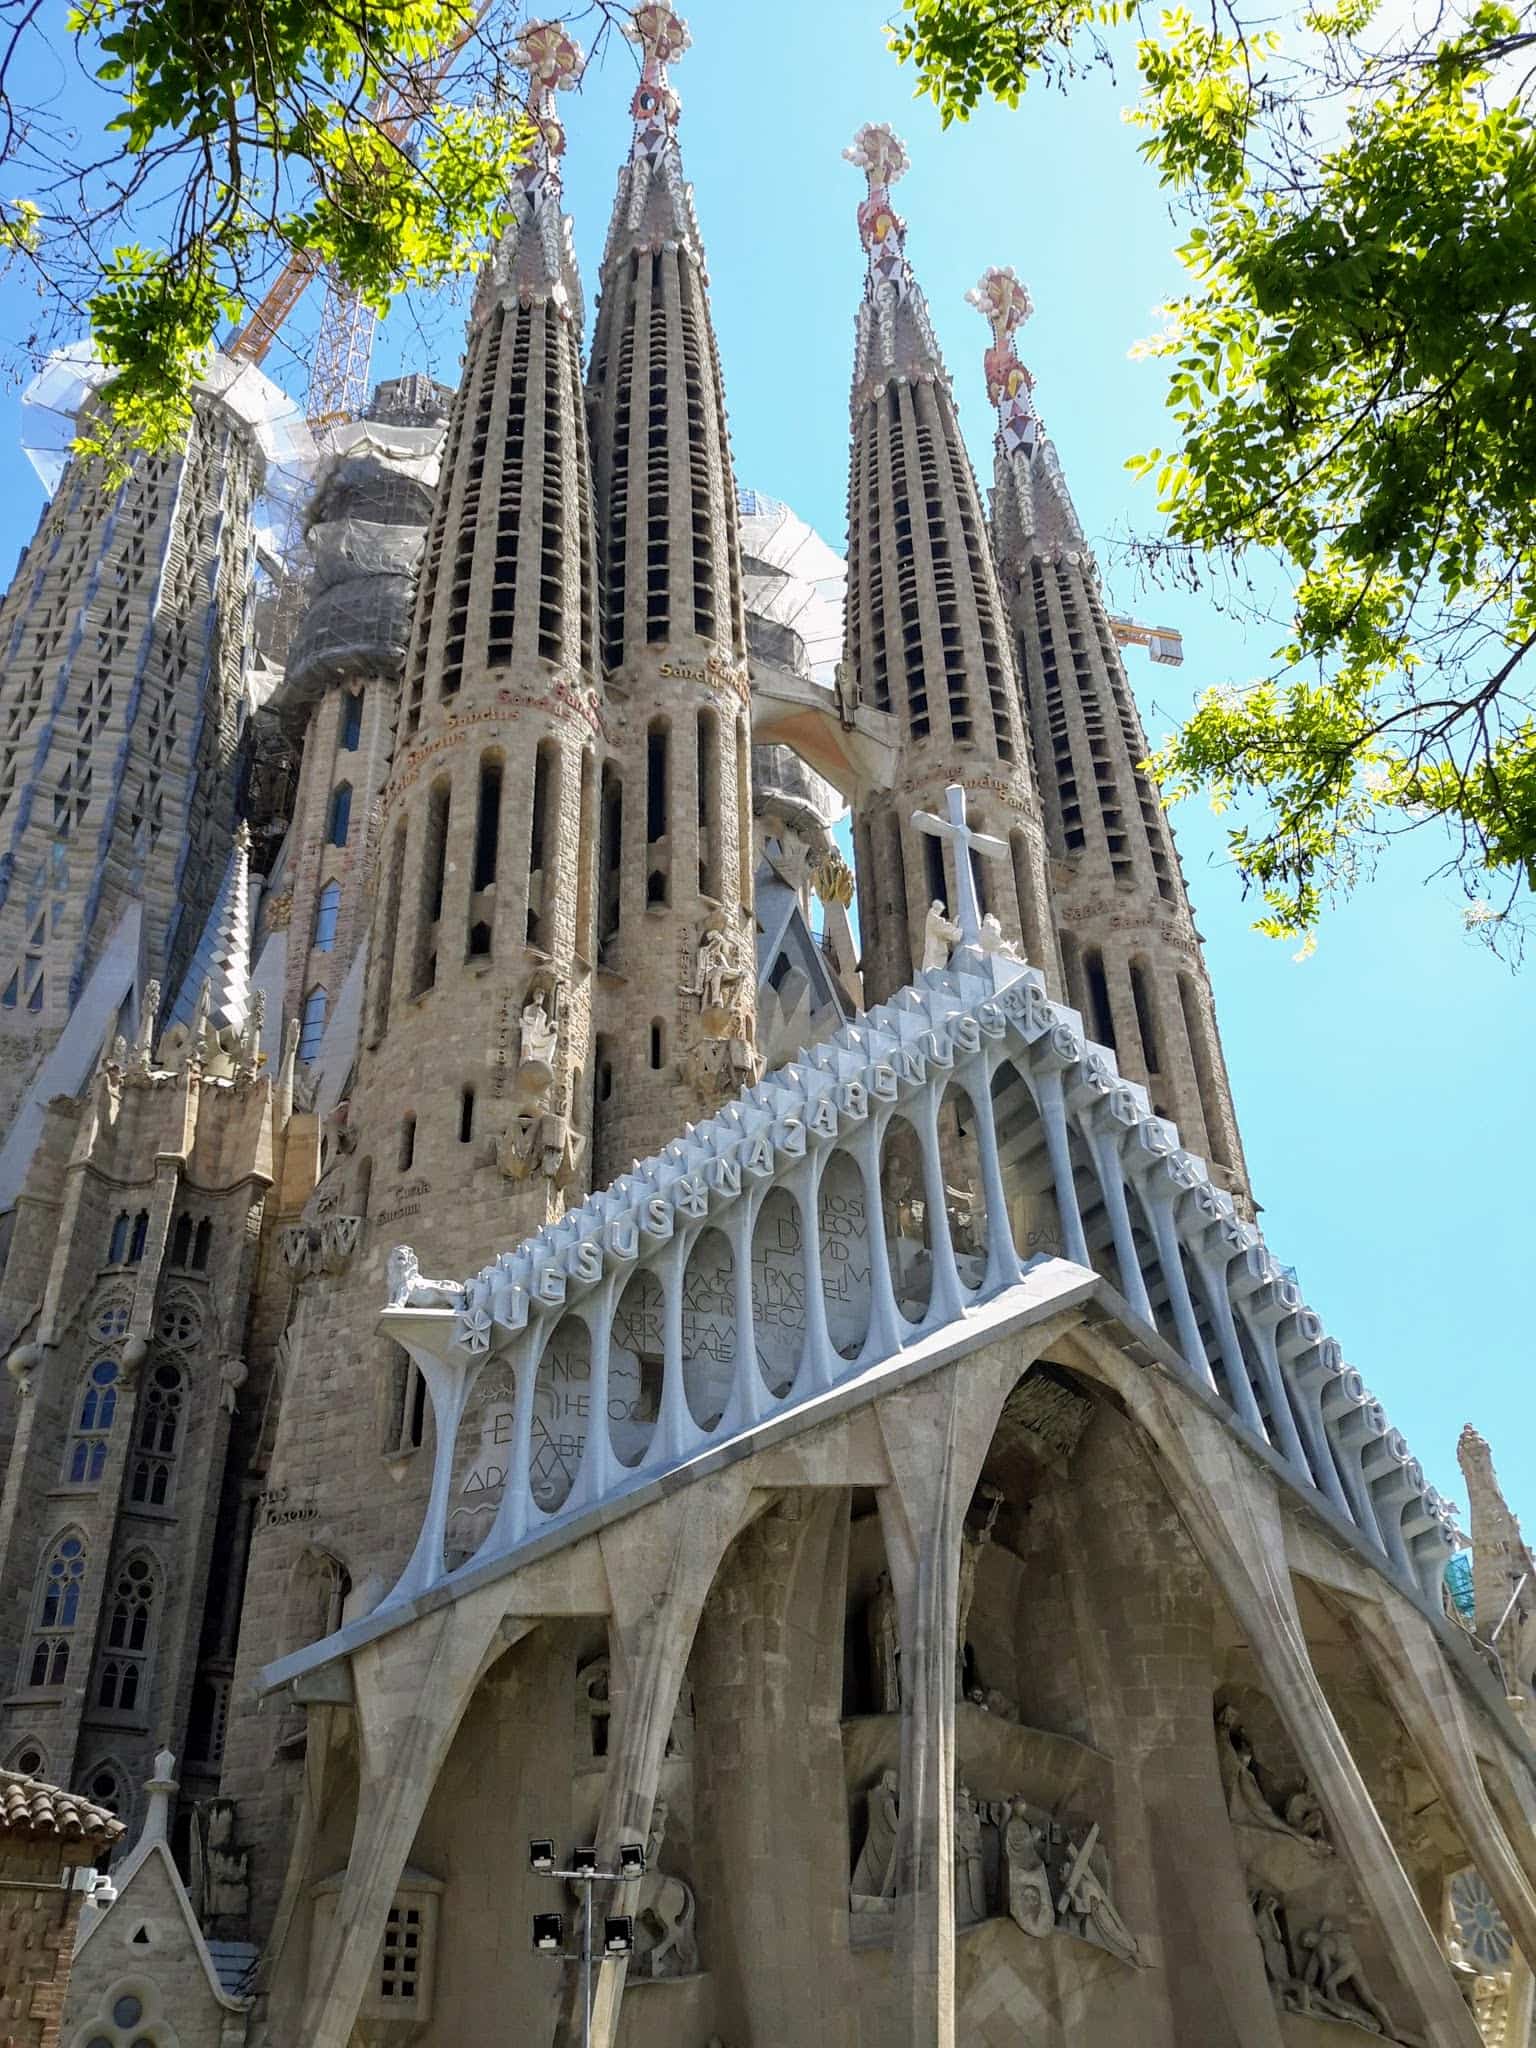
<point>588,854</point>
<point>656,1044</point>
<point>434,873</point>
<point>1146,1023</point>
<point>312,1025</point>
<point>710,883</point>
<point>202,1244</point>
<point>609,896</point>
<point>140,1237</point>
<point>351,721</point>
<point>933,857</point>
<point>466,1116</point>
<point>407,1154</point>
<point>1102,1017</point>
<point>543,841</point>
<point>340,821</point>
<point>327,911</point>
<point>487,823</point>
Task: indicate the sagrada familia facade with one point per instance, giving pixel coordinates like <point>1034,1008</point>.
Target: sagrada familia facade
<point>527,1323</point>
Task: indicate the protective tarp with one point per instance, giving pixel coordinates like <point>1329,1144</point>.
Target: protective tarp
<point>366,526</point>
<point>794,584</point>
<point>50,421</point>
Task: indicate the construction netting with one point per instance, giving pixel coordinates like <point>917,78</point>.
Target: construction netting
<point>52,402</point>
<point>794,586</point>
<point>365,528</point>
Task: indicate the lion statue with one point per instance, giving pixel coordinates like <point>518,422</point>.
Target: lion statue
<point>407,1289</point>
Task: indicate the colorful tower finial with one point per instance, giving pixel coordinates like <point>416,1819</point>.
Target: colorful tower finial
<point>662,36</point>
<point>1004,303</point>
<point>881,155</point>
<point>553,60</point>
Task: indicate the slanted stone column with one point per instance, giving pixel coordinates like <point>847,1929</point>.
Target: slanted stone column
<point>1416,1678</point>
<point>936,1435</point>
<point>411,1690</point>
<point>660,1568</point>
<point>1231,1508</point>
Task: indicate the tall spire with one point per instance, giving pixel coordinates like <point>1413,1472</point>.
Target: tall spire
<point>1032,503</point>
<point>222,960</point>
<point>675,886</point>
<point>536,257</point>
<point>926,632</point>
<point>894,329</point>
<point>1130,953</point>
<point>654,203</point>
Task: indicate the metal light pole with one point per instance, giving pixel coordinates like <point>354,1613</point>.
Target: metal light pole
<point>619,1929</point>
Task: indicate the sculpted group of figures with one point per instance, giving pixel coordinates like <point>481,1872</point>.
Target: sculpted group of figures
<point>1045,1874</point>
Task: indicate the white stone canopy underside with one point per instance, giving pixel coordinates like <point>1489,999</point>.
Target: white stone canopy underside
<point>635,1299</point>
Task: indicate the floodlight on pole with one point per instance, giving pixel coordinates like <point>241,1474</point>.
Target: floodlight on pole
<point>618,1928</point>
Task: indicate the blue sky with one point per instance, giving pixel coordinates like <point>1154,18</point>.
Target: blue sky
<point>1383,1087</point>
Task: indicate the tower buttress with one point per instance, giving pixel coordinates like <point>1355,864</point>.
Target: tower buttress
<point>926,634</point>
<point>677,981</point>
<point>1131,956</point>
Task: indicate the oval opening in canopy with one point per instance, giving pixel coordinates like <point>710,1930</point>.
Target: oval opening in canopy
<point>709,1327</point>
<point>561,1409</point>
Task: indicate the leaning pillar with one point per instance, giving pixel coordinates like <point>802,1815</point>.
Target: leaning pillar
<point>411,1690</point>
<point>660,1566</point>
<point>1231,1508</point>
<point>936,1435</point>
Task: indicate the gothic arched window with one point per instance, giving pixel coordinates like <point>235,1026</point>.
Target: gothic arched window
<point>140,1237</point>
<point>130,1612</point>
<point>327,909</point>
<point>93,1425</point>
<point>58,1609</point>
<point>201,1245</point>
<point>117,1251</point>
<point>341,814</point>
<point>312,1028</point>
<point>181,1240</point>
<point>159,1426</point>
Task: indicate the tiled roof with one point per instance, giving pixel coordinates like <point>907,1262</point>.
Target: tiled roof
<point>32,1811</point>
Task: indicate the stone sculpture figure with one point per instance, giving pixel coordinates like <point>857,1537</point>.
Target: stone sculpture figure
<point>719,971</point>
<point>408,1289</point>
<point>873,1887</point>
<point>938,936</point>
<point>1334,1975</point>
<point>884,1626</point>
<point>1246,1802</point>
<point>1277,1955</point>
<point>540,1045</point>
<point>994,940</point>
<point>970,1875</point>
<point>1029,1883</point>
<point>664,1938</point>
<point>971,1548</point>
<point>1084,1907</point>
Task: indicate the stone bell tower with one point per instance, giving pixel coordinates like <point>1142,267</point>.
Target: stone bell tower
<point>465,1126</point>
<point>1131,957</point>
<point>676,958</point>
<point>926,635</point>
<point>477,1015</point>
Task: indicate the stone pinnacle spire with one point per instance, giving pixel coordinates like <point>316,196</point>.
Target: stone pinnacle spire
<point>654,203</point>
<point>894,330</point>
<point>222,960</point>
<point>1130,954</point>
<point>1032,498</point>
<point>536,257</point>
<point>675,862</point>
<point>926,632</point>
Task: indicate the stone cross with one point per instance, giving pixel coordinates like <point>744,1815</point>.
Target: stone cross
<point>966,910</point>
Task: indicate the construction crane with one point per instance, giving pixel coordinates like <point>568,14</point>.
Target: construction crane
<point>1163,643</point>
<point>338,376</point>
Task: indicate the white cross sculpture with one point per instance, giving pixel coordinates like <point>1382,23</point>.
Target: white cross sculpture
<point>967,911</point>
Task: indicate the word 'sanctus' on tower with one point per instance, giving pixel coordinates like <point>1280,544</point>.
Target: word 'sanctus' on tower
<point>926,636</point>
<point>478,1012</point>
<point>1131,956</point>
<point>677,965</point>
